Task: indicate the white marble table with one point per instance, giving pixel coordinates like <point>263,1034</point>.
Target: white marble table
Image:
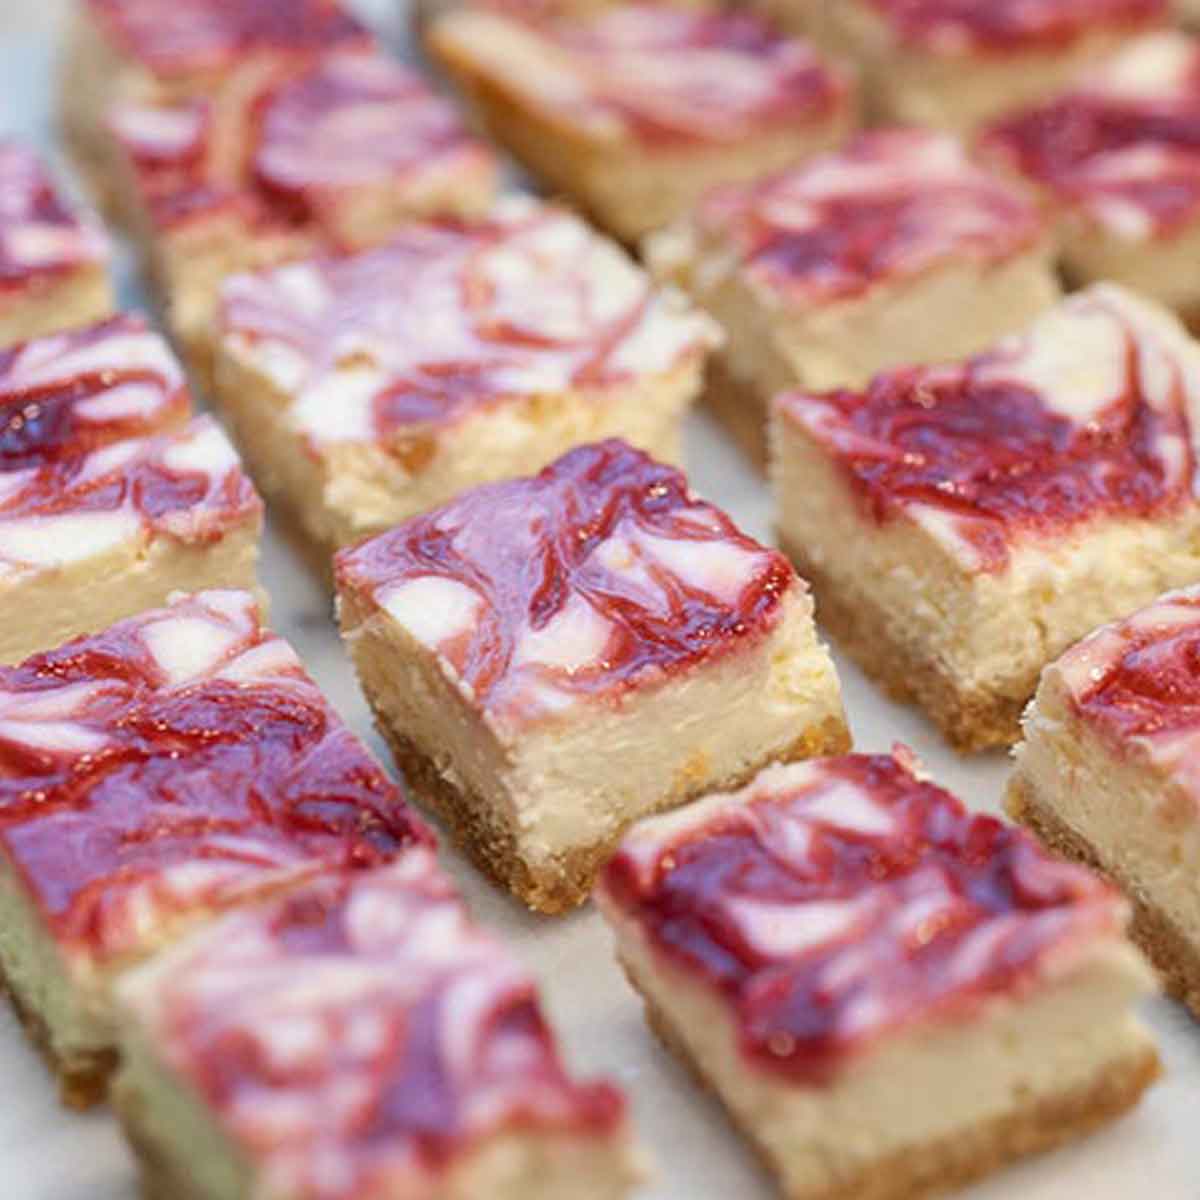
<point>46,1154</point>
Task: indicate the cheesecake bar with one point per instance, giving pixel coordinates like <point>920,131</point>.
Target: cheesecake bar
<point>1117,161</point>
<point>896,250</point>
<point>54,259</point>
<point>1107,772</point>
<point>636,111</point>
<point>552,658</point>
<point>151,776</point>
<point>110,499</point>
<point>956,64</point>
<point>367,389</point>
<point>163,51</point>
<point>358,1037</point>
<point>334,157</point>
<point>891,996</point>
<point>964,524</point>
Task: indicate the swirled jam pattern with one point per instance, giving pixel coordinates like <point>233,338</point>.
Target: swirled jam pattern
<point>835,902</point>
<point>1122,147</point>
<point>1010,26</point>
<point>889,206</point>
<point>69,393</point>
<point>1088,415</point>
<point>191,35</point>
<point>176,763</point>
<point>41,236</point>
<point>449,318</point>
<point>347,120</point>
<point>361,1037</point>
<point>599,575</point>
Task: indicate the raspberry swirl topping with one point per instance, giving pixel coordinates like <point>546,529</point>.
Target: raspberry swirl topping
<point>599,575</point>
<point>891,205</point>
<point>70,393</point>
<point>348,120</point>
<point>188,35</point>
<point>1008,26</point>
<point>361,1037</point>
<point>176,763</point>
<point>39,234</point>
<point>668,74</point>
<point>447,318</point>
<point>188,485</point>
<point>833,903</point>
<point>1122,148</point>
<point>1086,416</point>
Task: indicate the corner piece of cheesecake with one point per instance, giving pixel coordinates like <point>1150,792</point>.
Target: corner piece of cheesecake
<point>956,64</point>
<point>552,658</point>
<point>964,524</point>
<point>367,389</point>
<point>635,110</point>
<point>898,249</point>
<point>890,995</point>
<point>334,156</point>
<point>360,1036</point>
<point>152,52</point>
<point>1117,161</point>
<point>151,776</point>
<point>54,258</point>
<point>1108,772</point>
<point>110,498</point>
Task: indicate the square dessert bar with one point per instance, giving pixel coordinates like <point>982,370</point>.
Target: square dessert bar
<point>161,51</point>
<point>54,259</point>
<point>890,995</point>
<point>110,499</point>
<point>956,64</point>
<point>358,1037</point>
<point>552,658</point>
<point>334,156</point>
<point>1107,772</point>
<point>150,776</point>
<point>367,389</point>
<point>1117,161</point>
<point>635,111</point>
<point>964,524</point>
<point>896,250</point>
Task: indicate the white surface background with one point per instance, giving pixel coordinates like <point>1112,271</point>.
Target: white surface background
<point>46,1154</point>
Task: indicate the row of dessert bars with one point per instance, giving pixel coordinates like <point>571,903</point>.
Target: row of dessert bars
<point>207,878</point>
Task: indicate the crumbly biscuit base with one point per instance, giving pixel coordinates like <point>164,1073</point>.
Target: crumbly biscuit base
<point>83,1080</point>
<point>477,828</point>
<point>741,408</point>
<point>1173,953</point>
<point>970,1154</point>
<point>970,720</point>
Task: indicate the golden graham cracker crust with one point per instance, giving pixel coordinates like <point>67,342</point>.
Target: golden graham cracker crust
<point>1165,944</point>
<point>951,1162</point>
<point>970,720</point>
<point>489,841</point>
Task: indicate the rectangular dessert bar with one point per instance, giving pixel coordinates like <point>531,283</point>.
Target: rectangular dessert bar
<point>333,156</point>
<point>964,524</point>
<point>891,996</point>
<point>1116,160</point>
<point>54,259</point>
<point>151,776</point>
<point>896,250</point>
<point>636,110</point>
<point>1107,772</point>
<point>110,498</point>
<point>552,658</point>
<point>358,1037</point>
<point>956,64</point>
<point>367,389</point>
